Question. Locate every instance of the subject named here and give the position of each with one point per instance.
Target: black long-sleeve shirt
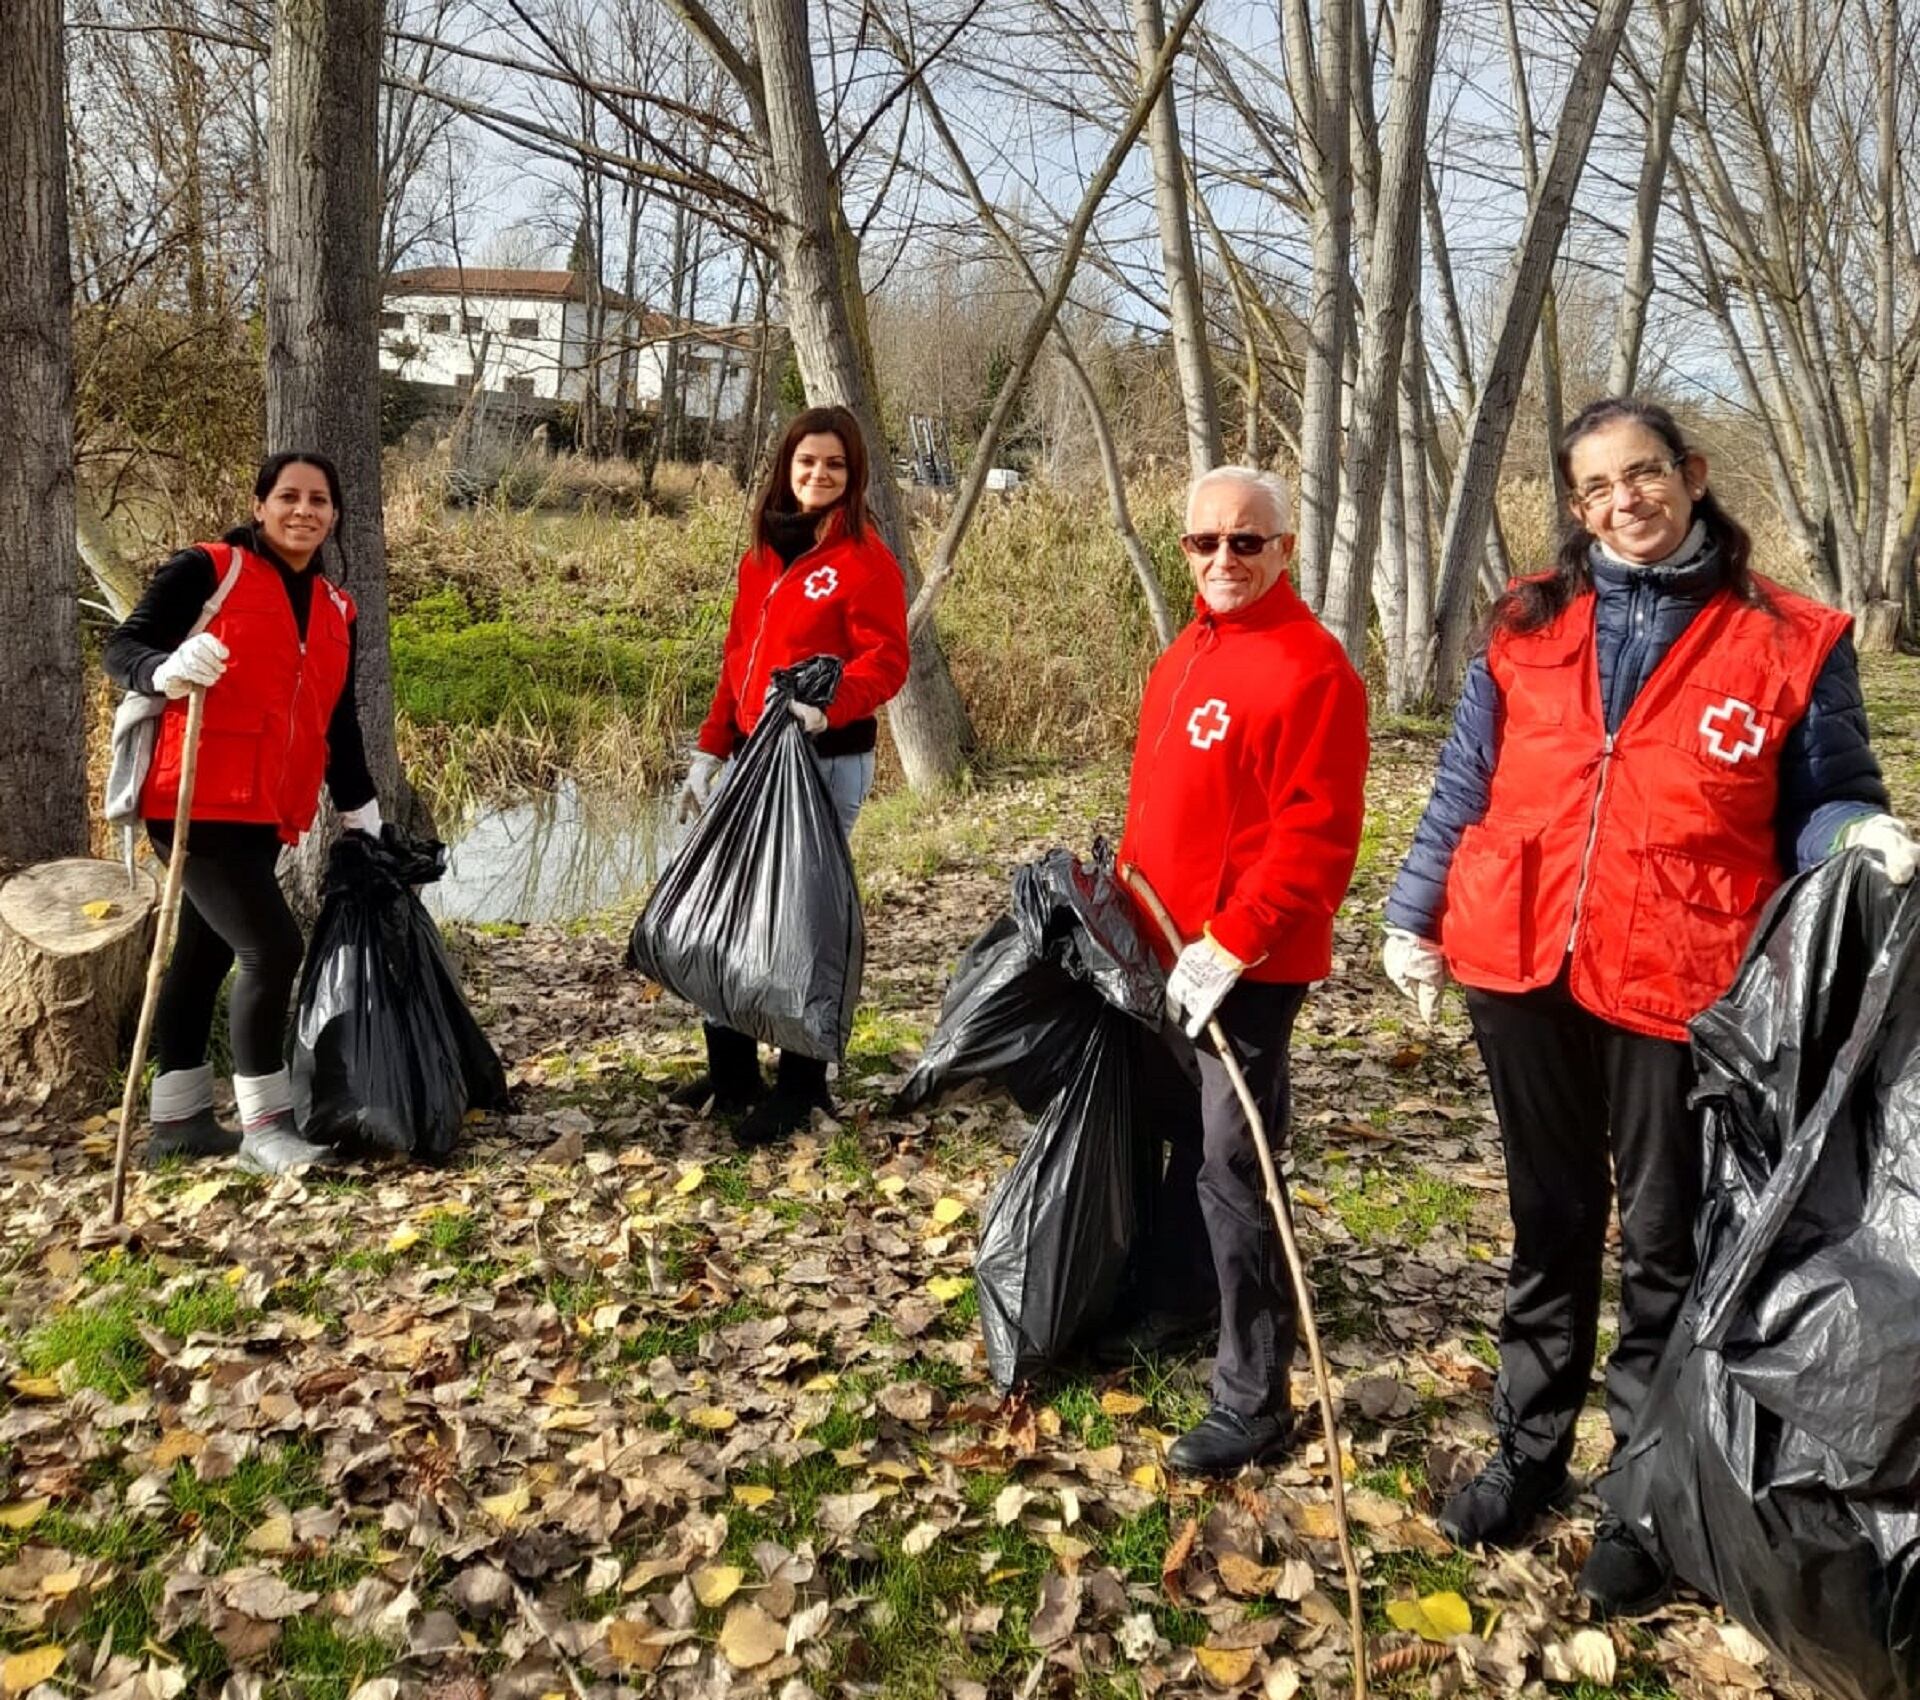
(159, 625)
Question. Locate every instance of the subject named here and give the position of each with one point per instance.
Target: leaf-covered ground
(608, 1407)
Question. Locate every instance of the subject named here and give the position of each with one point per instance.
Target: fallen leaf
(1058, 1611)
(947, 1288)
(715, 1584)
(21, 1513)
(1009, 1502)
(506, 1507)
(403, 1239)
(1118, 1404)
(715, 1417)
(36, 1387)
(1179, 1549)
(749, 1638)
(752, 1495)
(273, 1538)
(1587, 1657)
(629, 1642)
(947, 1211)
(690, 1180)
(28, 1670)
(1245, 1577)
(1282, 1682)
(919, 1539)
(1433, 1617)
(1225, 1667)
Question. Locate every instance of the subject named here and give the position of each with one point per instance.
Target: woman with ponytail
(1652, 741)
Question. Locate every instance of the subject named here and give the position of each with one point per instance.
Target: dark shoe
(1499, 1505)
(1158, 1334)
(733, 1081)
(1223, 1440)
(1622, 1576)
(700, 1093)
(197, 1135)
(774, 1117)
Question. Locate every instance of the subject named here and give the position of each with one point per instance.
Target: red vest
(263, 739)
(1638, 862)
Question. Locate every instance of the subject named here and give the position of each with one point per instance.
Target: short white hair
(1278, 491)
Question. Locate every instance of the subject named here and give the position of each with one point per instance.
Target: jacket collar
(1279, 605)
(1691, 577)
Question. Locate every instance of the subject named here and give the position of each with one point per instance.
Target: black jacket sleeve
(159, 625)
(348, 782)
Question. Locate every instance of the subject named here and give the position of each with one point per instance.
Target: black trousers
(1586, 1108)
(1213, 1233)
(233, 913)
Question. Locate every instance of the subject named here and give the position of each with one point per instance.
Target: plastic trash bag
(756, 921)
(1778, 1462)
(1059, 1004)
(385, 1050)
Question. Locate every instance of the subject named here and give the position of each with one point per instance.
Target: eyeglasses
(1204, 543)
(1641, 480)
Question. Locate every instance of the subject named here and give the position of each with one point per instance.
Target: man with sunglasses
(1244, 815)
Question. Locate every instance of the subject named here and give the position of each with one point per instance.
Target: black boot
(1498, 1507)
(733, 1081)
(1623, 1576)
(799, 1088)
(1224, 1441)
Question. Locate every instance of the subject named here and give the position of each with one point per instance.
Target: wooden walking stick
(1303, 1299)
(162, 943)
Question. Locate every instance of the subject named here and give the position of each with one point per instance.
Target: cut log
(74, 938)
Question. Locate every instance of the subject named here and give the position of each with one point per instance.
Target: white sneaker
(276, 1148)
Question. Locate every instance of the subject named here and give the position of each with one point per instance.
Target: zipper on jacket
(1593, 833)
(1173, 699)
(766, 602)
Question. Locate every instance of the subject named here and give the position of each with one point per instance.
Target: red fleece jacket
(1248, 784)
(843, 598)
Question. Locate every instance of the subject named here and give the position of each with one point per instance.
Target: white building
(527, 333)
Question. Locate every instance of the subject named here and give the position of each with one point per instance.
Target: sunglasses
(1204, 543)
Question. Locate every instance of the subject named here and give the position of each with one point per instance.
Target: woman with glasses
(1653, 740)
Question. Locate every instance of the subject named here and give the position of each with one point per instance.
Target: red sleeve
(1317, 797)
(876, 641)
(720, 731)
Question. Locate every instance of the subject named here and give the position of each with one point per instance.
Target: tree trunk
(928, 720)
(1552, 408)
(323, 307)
(1191, 359)
(70, 985)
(1416, 430)
(43, 757)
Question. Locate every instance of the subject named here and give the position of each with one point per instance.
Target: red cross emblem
(1208, 724)
(1736, 717)
(821, 583)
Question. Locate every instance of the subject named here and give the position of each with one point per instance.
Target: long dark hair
(1534, 602)
(849, 514)
(271, 468)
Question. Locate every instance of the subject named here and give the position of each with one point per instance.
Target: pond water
(555, 857)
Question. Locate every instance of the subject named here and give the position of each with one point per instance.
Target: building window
(441, 322)
(393, 321)
(519, 386)
(470, 323)
(523, 327)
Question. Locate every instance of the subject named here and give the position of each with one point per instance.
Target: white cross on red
(1208, 724)
(821, 583)
(1719, 720)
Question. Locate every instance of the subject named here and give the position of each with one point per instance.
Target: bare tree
(43, 766)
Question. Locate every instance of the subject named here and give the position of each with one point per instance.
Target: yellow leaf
(690, 1181)
(824, 1383)
(178, 1443)
(100, 909)
(715, 1417)
(36, 1386)
(27, 1670)
(947, 1288)
(1149, 1476)
(273, 1538)
(404, 1239)
(715, 1584)
(948, 1211)
(750, 1637)
(1433, 1617)
(61, 1583)
(627, 1641)
(198, 1197)
(505, 1507)
(1118, 1404)
(752, 1495)
(1225, 1667)
(1243, 1576)
(1069, 1549)
(21, 1513)
(891, 1186)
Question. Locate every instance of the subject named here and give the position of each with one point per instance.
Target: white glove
(698, 787)
(812, 720)
(1417, 968)
(1888, 838)
(365, 819)
(1202, 975)
(199, 661)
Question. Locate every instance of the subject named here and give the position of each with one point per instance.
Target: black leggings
(233, 913)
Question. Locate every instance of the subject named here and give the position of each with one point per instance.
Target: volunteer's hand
(199, 661)
(1888, 838)
(698, 787)
(365, 819)
(812, 720)
(1417, 968)
(1202, 975)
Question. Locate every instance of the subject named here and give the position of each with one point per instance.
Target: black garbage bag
(385, 1050)
(1778, 1461)
(756, 921)
(1060, 1004)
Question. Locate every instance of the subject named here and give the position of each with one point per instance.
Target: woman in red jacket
(816, 580)
(276, 659)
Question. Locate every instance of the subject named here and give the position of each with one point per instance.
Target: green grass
(1401, 1207)
(228, 1510)
(317, 1662)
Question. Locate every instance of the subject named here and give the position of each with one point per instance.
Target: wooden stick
(162, 943)
(1303, 1298)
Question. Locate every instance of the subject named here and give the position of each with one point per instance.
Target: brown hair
(1535, 602)
(849, 514)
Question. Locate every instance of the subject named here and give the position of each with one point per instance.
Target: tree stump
(71, 977)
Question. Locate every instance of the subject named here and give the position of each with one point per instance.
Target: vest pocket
(1491, 887)
(1692, 918)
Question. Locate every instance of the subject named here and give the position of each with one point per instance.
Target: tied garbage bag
(1778, 1461)
(756, 921)
(1059, 1004)
(385, 1050)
